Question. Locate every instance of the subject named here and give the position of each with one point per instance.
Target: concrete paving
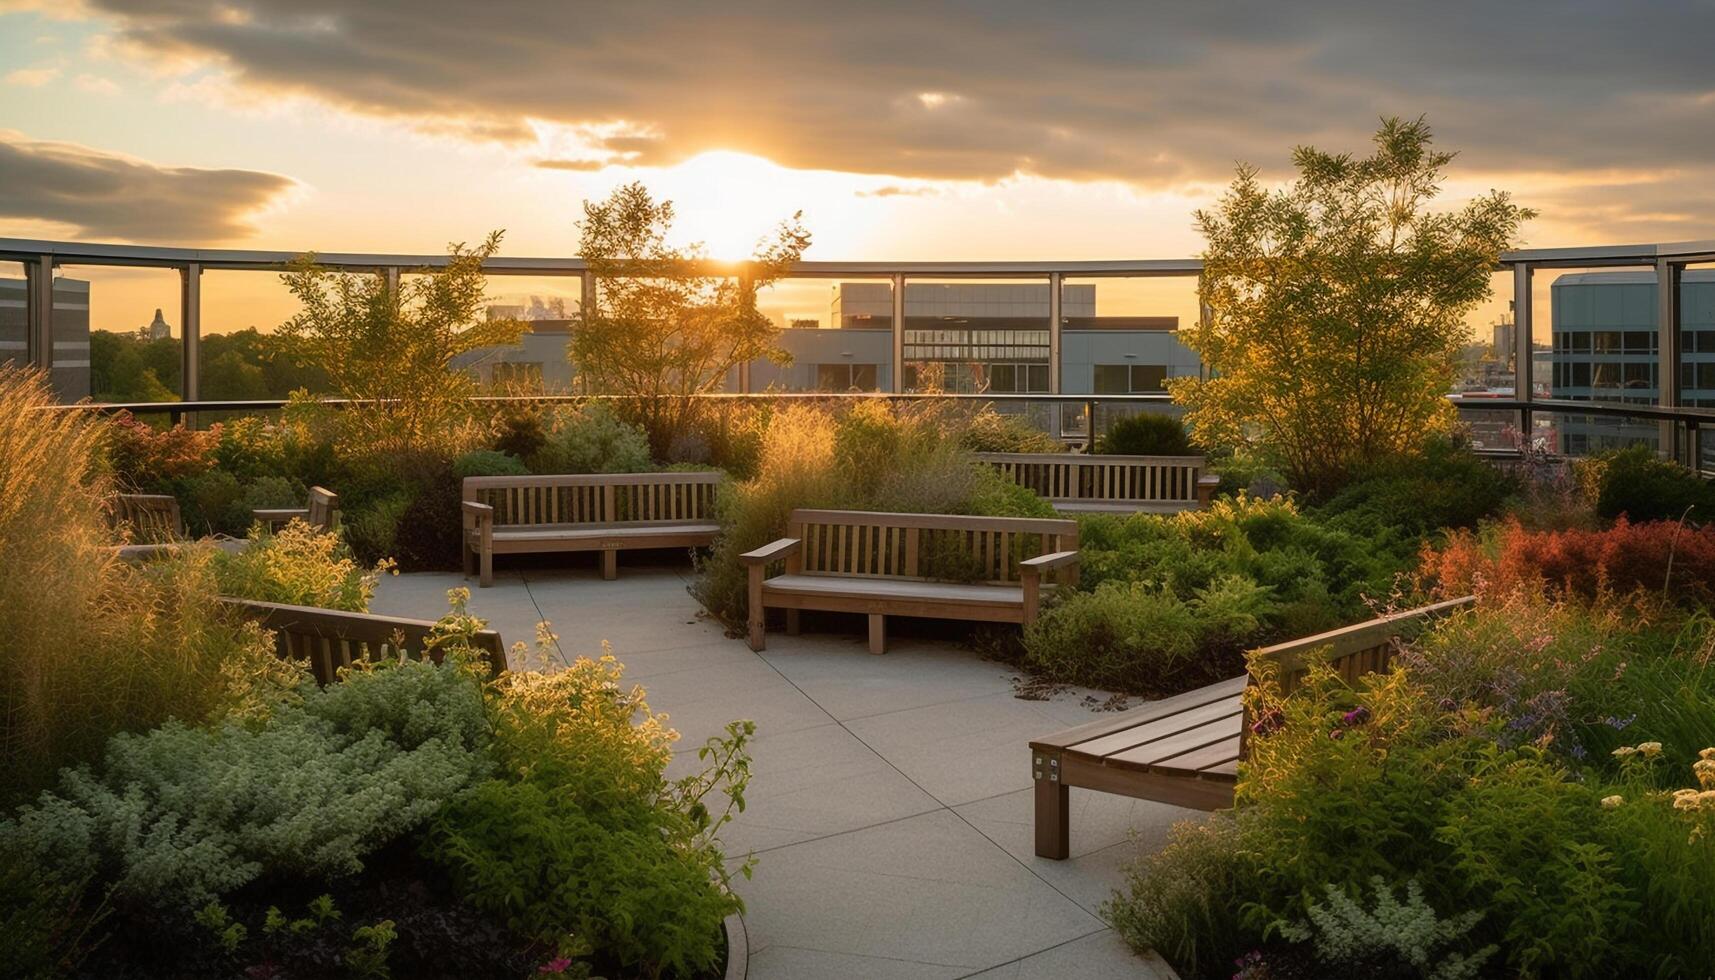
(890, 803)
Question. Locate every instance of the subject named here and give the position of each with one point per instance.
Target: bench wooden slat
(1150, 731)
(1186, 750)
(606, 512)
(1119, 484)
(873, 563)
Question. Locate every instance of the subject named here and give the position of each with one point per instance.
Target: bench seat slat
(1152, 731)
(883, 588)
(630, 529)
(1165, 753)
(1152, 711)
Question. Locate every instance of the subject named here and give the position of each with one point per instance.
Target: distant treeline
(126, 367)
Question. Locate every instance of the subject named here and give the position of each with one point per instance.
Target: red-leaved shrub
(144, 458)
(1666, 557)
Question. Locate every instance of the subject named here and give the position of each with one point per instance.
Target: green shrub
(1183, 900)
(1642, 486)
(1398, 502)
(1396, 939)
(1144, 638)
(180, 816)
(1147, 434)
(300, 566)
(592, 439)
(45, 925)
(373, 528)
(488, 462)
(582, 834)
(998, 432)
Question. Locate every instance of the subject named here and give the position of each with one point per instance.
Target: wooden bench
(605, 512)
(1185, 750)
(1078, 483)
(152, 527)
(321, 513)
(988, 569)
(330, 638)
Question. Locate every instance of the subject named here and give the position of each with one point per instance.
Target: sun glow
(738, 199)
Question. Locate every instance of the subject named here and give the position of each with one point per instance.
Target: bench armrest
(476, 515)
(771, 552)
(1207, 484)
(1044, 563)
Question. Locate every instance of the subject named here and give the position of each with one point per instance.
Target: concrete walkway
(890, 806)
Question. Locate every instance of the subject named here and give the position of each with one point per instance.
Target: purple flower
(1268, 724)
(1356, 716)
(560, 965)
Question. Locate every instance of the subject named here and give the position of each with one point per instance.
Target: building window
(1640, 341)
(1607, 341)
(1130, 379)
(1705, 375)
(845, 377)
(1640, 376)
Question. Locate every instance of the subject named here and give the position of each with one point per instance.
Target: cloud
(31, 77)
(106, 195)
(1159, 95)
(578, 165)
(96, 84)
(895, 190)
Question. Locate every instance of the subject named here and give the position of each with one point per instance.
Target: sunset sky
(908, 130)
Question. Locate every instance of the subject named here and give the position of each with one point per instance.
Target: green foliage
(582, 834)
(373, 529)
(244, 364)
(1338, 306)
(1637, 483)
(1144, 638)
(1003, 432)
(1147, 434)
(488, 462)
(657, 334)
(393, 347)
(180, 816)
(1398, 501)
(592, 439)
(1170, 600)
(1395, 939)
(300, 566)
(1181, 901)
(44, 920)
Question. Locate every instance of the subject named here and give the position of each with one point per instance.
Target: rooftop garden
(1527, 791)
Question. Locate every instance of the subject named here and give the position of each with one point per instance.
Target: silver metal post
(1669, 384)
(190, 318)
(898, 332)
(39, 314)
(1054, 333)
(1523, 382)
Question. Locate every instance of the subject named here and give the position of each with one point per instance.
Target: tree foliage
(665, 326)
(1338, 305)
(394, 347)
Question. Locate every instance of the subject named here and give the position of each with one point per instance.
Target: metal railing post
(1669, 384)
(39, 314)
(1054, 333)
(1523, 382)
(898, 332)
(190, 335)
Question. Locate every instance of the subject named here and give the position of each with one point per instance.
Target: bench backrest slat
(1071, 476)
(323, 508)
(597, 498)
(330, 638)
(923, 546)
(150, 518)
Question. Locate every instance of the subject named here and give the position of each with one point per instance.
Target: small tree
(394, 347)
(1338, 306)
(664, 326)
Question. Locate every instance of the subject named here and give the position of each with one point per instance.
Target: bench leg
(487, 578)
(791, 622)
(757, 613)
(609, 564)
(1053, 810)
(877, 633)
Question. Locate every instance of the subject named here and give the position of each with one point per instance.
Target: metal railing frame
(1669, 260)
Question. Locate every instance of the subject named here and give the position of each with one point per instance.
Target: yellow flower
(1704, 770)
(1649, 749)
(1612, 801)
(1623, 751)
(1707, 754)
